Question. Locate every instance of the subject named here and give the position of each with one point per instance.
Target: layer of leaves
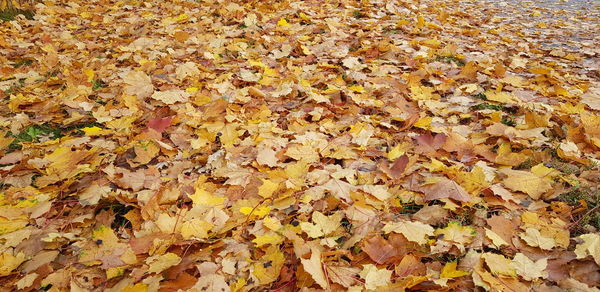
(298, 145)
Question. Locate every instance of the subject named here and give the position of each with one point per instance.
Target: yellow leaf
(499, 265)
(27, 281)
(202, 197)
(303, 153)
(269, 238)
(139, 287)
(89, 73)
(282, 22)
(495, 238)
(375, 277)
(423, 93)
(160, 263)
(527, 182)
(322, 225)
(171, 96)
(533, 237)
(138, 83)
(449, 271)
(529, 269)
(589, 247)
(113, 272)
(502, 97)
(314, 267)
(303, 16)
(195, 228)
(267, 189)
(258, 212)
(9, 262)
(455, 233)
(413, 231)
(8, 226)
(424, 123)
(267, 269)
(93, 131)
(272, 223)
(357, 88)
(398, 151)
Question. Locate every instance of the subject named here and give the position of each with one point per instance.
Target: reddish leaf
(399, 166)
(379, 249)
(445, 189)
(160, 124)
(429, 143)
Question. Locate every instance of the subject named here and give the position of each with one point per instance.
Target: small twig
(583, 216)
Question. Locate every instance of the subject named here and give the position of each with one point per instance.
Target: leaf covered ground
(300, 145)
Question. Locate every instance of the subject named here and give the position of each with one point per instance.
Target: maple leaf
(171, 96)
(527, 182)
(499, 265)
(303, 153)
(375, 277)
(379, 249)
(442, 188)
(267, 189)
(9, 260)
(345, 276)
(533, 237)
(589, 247)
(457, 234)
(138, 83)
(160, 263)
(339, 189)
(266, 156)
(314, 267)
(160, 124)
(322, 225)
(592, 98)
(413, 231)
(529, 269)
(449, 271)
(186, 69)
(429, 143)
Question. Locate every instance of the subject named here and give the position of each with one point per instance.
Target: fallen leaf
(589, 247)
(413, 231)
(314, 267)
(375, 277)
(444, 188)
(529, 269)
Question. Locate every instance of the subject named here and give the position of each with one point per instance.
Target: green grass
(21, 63)
(484, 106)
(98, 84)
(10, 13)
(34, 133)
(576, 197)
(357, 14)
(509, 122)
(481, 96)
(450, 59)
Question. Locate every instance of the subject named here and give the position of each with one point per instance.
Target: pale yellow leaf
(589, 247)
(375, 277)
(314, 267)
(529, 269)
(159, 263)
(533, 237)
(413, 231)
(499, 265)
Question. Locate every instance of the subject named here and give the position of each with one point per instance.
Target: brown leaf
(379, 249)
(429, 143)
(445, 189)
(345, 276)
